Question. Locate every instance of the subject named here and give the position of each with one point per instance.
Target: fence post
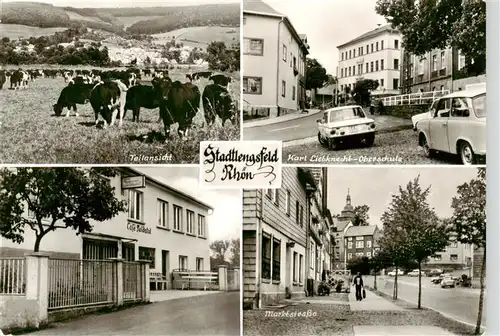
(118, 281)
(37, 283)
(223, 278)
(145, 280)
(237, 277)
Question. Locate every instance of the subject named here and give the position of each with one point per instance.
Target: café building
(162, 224)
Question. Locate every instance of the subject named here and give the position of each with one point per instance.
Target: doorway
(165, 267)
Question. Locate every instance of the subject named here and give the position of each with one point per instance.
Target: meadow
(31, 133)
(14, 31)
(200, 36)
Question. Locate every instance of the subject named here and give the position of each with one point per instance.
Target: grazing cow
(19, 79)
(80, 79)
(180, 106)
(106, 98)
(217, 102)
(202, 74)
(3, 78)
(72, 95)
(146, 96)
(221, 80)
(68, 75)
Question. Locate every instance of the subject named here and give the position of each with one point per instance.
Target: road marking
(284, 128)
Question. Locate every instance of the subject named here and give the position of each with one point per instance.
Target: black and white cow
(19, 79)
(72, 95)
(3, 78)
(107, 99)
(146, 96)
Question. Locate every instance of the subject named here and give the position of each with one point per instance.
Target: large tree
(362, 91)
(378, 262)
(47, 199)
(235, 252)
(469, 223)
(316, 75)
(436, 24)
(411, 222)
(219, 250)
(361, 216)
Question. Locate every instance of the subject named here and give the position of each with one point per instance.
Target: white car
(415, 273)
(343, 124)
(457, 126)
(423, 116)
(393, 273)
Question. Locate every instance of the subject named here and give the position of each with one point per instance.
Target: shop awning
(103, 235)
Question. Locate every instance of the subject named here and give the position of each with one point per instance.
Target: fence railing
(133, 281)
(80, 282)
(414, 98)
(186, 279)
(12, 276)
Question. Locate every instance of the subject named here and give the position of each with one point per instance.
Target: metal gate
(133, 281)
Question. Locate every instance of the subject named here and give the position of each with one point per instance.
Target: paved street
(460, 303)
(217, 314)
(389, 148)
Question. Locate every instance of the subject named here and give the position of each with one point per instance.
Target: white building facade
(374, 55)
(162, 224)
(274, 62)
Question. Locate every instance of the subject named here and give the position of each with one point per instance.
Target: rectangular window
(135, 205)
(461, 60)
(276, 259)
(360, 244)
(297, 212)
(349, 256)
(199, 264)
(147, 253)
(353, 71)
(443, 62)
(283, 88)
(341, 72)
(396, 44)
(190, 221)
(252, 46)
(350, 55)
(434, 62)
(421, 67)
(284, 53)
(295, 266)
(294, 62)
(371, 48)
(266, 256)
(354, 53)
(287, 202)
(396, 64)
(350, 71)
(382, 82)
(178, 218)
(293, 92)
(376, 46)
(276, 198)
(371, 66)
(382, 45)
(349, 245)
(367, 70)
(376, 65)
(291, 59)
(437, 257)
(395, 83)
(162, 213)
(252, 85)
(342, 56)
(381, 64)
(301, 267)
(201, 226)
(367, 50)
(183, 263)
(301, 216)
(453, 257)
(369, 244)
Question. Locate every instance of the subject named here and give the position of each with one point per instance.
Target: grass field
(201, 36)
(14, 31)
(30, 133)
(127, 21)
(76, 16)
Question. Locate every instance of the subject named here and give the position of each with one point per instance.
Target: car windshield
(346, 114)
(479, 105)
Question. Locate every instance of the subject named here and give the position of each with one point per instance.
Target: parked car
(393, 273)
(343, 124)
(457, 126)
(435, 272)
(448, 281)
(415, 273)
(436, 280)
(423, 116)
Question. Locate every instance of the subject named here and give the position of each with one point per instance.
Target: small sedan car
(415, 273)
(422, 116)
(344, 124)
(448, 282)
(457, 126)
(393, 273)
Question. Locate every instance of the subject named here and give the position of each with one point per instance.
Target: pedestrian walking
(358, 284)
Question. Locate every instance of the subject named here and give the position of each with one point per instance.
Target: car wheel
(425, 145)
(332, 144)
(321, 141)
(369, 140)
(466, 153)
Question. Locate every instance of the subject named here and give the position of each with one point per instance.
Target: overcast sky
(126, 3)
(225, 221)
(329, 23)
(375, 187)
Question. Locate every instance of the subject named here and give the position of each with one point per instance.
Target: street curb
(308, 140)
(274, 121)
(434, 310)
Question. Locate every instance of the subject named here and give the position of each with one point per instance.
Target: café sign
(136, 227)
(132, 182)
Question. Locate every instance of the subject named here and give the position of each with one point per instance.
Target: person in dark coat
(358, 284)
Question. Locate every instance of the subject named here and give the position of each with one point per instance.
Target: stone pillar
(223, 278)
(145, 277)
(237, 280)
(37, 283)
(118, 281)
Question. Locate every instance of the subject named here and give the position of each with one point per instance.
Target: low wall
(463, 82)
(405, 111)
(17, 312)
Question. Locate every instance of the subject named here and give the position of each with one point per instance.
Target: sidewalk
(371, 302)
(275, 120)
(158, 296)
